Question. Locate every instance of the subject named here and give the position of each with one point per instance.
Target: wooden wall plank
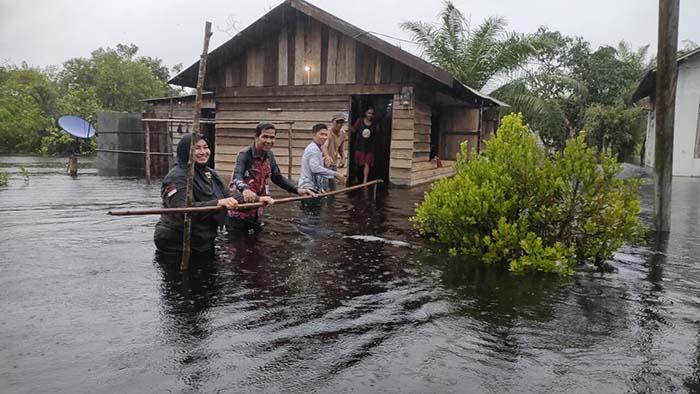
(332, 56)
(346, 64)
(313, 52)
(291, 50)
(280, 91)
(235, 67)
(299, 74)
(386, 69)
(308, 115)
(283, 62)
(336, 106)
(270, 62)
(254, 69)
(228, 76)
(266, 102)
(324, 54)
(378, 70)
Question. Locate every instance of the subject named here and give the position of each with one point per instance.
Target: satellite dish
(77, 127)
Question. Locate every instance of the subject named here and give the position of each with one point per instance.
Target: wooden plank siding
(402, 131)
(333, 58)
(303, 110)
(458, 124)
(422, 169)
(268, 82)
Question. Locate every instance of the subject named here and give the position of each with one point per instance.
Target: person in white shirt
(313, 173)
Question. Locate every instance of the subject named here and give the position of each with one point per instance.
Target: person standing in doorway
(334, 148)
(365, 131)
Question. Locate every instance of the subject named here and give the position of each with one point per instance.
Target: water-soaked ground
(85, 308)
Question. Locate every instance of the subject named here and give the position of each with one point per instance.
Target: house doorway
(381, 145)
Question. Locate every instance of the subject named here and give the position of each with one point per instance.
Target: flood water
(86, 308)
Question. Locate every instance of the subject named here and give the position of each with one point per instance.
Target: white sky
(48, 32)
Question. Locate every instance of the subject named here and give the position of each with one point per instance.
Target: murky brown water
(85, 308)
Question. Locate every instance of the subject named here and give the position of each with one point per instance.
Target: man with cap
(255, 168)
(334, 147)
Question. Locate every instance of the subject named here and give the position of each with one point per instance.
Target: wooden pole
(187, 234)
(168, 211)
(289, 152)
(666, 78)
(73, 165)
(73, 160)
(169, 144)
(147, 151)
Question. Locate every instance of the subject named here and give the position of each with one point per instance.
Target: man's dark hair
(318, 127)
(263, 126)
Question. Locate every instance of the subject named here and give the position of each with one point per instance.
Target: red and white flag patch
(171, 190)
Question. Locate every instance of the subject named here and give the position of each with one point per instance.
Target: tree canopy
(32, 99)
(550, 78)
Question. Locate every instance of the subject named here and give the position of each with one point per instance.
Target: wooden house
(301, 64)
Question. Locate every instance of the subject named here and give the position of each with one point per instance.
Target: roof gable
(272, 23)
(266, 25)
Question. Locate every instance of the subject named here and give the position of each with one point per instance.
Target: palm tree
(474, 56)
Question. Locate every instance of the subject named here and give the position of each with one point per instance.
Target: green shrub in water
(25, 173)
(3, 178)
(514, 205)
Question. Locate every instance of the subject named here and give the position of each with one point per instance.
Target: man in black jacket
(255, 168)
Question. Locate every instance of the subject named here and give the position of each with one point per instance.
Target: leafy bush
(617, 128)
(514, 205)
(59, 142)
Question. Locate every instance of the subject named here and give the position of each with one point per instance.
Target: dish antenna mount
(79, 128)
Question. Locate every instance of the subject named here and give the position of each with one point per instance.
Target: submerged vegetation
(515, 205)
(3, 178)
(25, 173)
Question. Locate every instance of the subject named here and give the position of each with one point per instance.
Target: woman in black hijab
(207, 190)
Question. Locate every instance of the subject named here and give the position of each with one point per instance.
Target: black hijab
(206, 184)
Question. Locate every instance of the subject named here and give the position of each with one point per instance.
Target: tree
(475, 56)
(513, 205)
(614, 127)
(32, 99)
(550, 98)
(119, 78)
(27, 106)
(565, 78)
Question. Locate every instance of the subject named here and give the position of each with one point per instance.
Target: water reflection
(651, 317)
(186, 297)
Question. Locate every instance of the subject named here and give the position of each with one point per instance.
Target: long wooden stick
(185, 262)
(147, 150)
(160, 211)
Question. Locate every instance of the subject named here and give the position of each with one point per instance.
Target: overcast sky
(48, 32)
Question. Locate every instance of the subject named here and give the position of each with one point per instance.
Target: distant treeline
(561, 85)
(32, 99)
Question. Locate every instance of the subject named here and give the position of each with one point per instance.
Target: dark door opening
(434, 136)
(382, 140)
